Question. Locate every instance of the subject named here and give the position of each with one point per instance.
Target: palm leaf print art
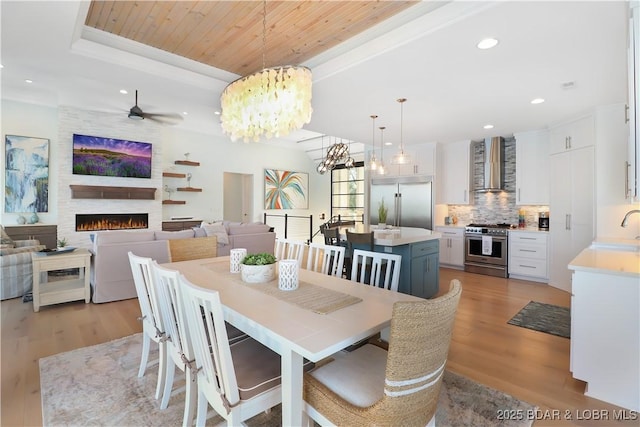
(283, 188)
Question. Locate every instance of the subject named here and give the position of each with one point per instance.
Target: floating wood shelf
(109, 192)
(173, 202)
(186, 163)
(189, 189)
(174, 175)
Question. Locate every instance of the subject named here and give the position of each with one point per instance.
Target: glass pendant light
(401, 158)
(381, 169)
(373, 162)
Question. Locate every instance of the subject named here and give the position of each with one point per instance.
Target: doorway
(237, 201)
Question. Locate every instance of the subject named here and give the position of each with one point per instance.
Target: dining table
(323, 316)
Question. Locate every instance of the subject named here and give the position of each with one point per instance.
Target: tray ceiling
(228, 35)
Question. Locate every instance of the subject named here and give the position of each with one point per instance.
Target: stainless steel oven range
(486, 249)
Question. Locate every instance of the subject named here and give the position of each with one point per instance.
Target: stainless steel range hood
(493, 166)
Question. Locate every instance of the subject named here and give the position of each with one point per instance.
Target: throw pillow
(217, 230)
(199, 232)
(6, 240)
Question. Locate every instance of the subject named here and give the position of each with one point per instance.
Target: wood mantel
(109, 192)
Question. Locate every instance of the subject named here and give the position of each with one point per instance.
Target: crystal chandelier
(401, 158)
(373, 162)
(271, 102)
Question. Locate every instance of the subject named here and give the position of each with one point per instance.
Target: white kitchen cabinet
(451, 246)
(532, 159)
(605, 329)
(573, 135)
(528, 258)
(571, 211)
(454, 173)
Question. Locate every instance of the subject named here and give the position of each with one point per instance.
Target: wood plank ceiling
(229, 34)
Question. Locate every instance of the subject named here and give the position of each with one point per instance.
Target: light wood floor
(529, 365)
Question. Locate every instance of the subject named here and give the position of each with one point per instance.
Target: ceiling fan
(136, 113)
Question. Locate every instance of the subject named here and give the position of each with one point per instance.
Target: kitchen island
(605, 321)
(419, 248)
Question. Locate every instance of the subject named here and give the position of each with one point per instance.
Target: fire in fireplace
(94, 222)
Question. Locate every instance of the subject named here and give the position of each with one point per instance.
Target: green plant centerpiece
(382, 213)
(258, 268)
(62, 242)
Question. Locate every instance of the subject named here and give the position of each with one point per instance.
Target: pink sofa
(111, 278)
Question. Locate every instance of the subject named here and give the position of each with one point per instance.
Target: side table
(48, 293)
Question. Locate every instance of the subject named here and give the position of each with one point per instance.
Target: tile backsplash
(496, 207)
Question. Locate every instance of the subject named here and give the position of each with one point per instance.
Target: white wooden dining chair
(326, 259)
(179, 348)
(290, 249)
(376, 269)
(238, 380)
(150, 318)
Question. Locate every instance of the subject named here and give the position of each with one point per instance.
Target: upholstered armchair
(16, 268)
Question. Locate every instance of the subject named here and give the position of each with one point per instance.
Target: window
(347, 192)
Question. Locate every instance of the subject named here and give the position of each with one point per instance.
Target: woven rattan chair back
(325, 259)
(150, 317)
(193, 248)
(415, 364)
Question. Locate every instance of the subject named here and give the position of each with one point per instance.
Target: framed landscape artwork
(26, 174)
(286, 189)
(95, 155)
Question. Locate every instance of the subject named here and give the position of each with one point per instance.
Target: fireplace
(95, 222)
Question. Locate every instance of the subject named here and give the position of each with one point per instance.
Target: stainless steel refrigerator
(409, 200)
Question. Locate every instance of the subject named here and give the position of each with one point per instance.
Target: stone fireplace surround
(73, 120)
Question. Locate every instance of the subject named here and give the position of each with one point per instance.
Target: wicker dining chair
(398, 387)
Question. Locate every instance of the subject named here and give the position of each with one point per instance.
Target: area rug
(98, 385)
(547, 318)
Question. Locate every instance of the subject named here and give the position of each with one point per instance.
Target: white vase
(258, 273)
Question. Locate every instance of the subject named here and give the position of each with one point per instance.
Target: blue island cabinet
(419, 270)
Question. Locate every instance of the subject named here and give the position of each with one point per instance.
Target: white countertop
(394, 236)
(609, 257)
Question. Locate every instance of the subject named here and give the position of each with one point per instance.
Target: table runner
(308, 296)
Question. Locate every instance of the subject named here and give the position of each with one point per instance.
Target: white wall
(36, 121)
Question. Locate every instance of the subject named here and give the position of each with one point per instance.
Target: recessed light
(537, 101)
(123, 91)
(487, 43)
(185, 113)
(388, 143)
(217, 113)
(488, 126)
(28, 81)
